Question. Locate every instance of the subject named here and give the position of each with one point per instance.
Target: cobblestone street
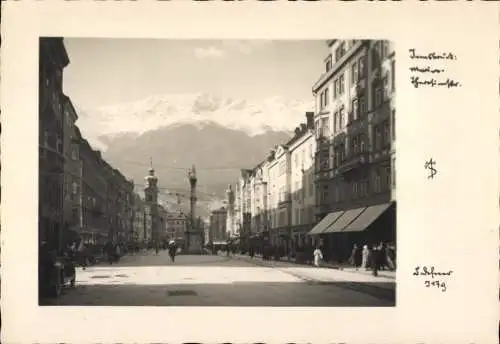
(150, 280)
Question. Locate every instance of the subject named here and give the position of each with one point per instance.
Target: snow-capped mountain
(157, 111)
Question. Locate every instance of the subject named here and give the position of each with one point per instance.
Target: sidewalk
(325, 274)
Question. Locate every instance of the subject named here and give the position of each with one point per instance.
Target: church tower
(151, 204)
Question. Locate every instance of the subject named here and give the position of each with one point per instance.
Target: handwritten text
(436, 78)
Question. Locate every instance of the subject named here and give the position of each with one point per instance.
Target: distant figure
(318, 256)
(356, 257)
(157, 248)
(172, 250)
(365, 257)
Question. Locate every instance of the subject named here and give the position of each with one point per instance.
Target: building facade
(176, 226)
(279, 212)
(139, 226)
(92, 195)
(218, 222)
(302, 148)
(53, 59)
(355, 121)
(72, 168)
(231, 214)
(243, 201)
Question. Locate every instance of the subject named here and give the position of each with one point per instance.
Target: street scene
(217, 173)
(153, 280)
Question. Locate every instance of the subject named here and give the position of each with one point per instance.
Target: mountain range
(218, 135)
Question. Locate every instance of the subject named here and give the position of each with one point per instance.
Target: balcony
(352, 162)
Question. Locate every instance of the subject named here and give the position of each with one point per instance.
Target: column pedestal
(193, 243)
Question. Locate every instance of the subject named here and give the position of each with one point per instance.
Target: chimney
(310, 120)
(297, 131)
(303, 127)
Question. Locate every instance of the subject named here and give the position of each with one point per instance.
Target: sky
(105, 71)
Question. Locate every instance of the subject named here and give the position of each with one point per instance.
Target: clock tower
(151, 204)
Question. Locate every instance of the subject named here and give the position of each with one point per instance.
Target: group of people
(378, 257)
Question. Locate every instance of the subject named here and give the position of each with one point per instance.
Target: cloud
(209, 52)
(246, 46)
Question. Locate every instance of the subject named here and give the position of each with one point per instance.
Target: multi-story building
(177, 226)
(279, 212)
(92, 195)
(218, 221)
(355, 164)
(53, 59)
(139, 227)
(162, 223)
(243, 206)
(258, 196)
(231, 215)
(72, 169)
(302, 147)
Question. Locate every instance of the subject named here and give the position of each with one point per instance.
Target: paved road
(215, 281)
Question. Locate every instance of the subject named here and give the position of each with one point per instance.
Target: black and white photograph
(235, 173)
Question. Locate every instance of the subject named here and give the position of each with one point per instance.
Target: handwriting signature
(432, 273)
(449, 83)
(432, 56)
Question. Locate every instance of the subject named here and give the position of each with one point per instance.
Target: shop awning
(327, 221)
(343, 221)
(367, 217)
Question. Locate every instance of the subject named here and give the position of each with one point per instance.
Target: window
(377, 95)
(46, 138)
(393, 75)
(388, 181)
(354, 73)
(393, 120)
(335, 88)
(355, 144)
(341, 117)
(385, 87)
(362, 145)
(325, 127)
(59, 146)
(321, 95)
(384, 49)
(375, 55)
(341, 85)
(361, 67)
(74, 155)
(329, 63)
(75, 188)
(393, 174)
(326, 96)
(354, 190)
(355, 114)
(378, 134)
(361, 106)
(387, 137)
(335, 121)
(377, 185)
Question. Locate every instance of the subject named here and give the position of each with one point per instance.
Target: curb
(314, 280)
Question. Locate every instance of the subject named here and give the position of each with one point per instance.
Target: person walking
(318, 256)
(365, 257)
(172, 250)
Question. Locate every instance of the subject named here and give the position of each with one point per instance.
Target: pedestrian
(117, 253)
(318, 256)
(365, 257)
(157, 248)
(172, 250)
